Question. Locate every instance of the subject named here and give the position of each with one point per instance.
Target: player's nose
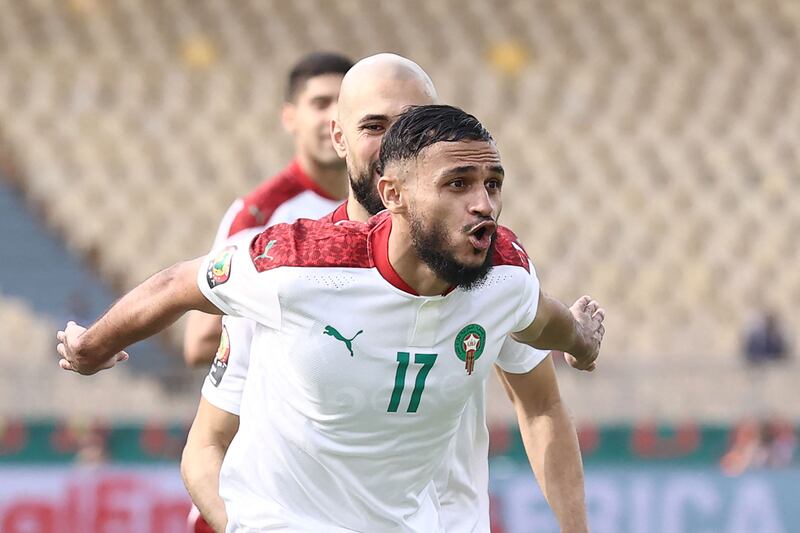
(481, 203)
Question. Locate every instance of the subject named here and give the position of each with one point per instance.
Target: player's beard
(365, 189)
(431, 246)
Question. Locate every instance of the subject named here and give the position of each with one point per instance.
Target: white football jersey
(286, 197)
(356, 385)
(289, 195)
(462, 484)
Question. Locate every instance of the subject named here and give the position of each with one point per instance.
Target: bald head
(388, 76)
(373, 93)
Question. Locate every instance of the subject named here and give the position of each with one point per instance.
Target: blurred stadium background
(653, 151)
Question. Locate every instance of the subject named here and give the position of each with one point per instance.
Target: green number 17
(424, 359)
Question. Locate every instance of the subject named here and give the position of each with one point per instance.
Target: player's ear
(337, 138)
(391, 191)
(288, 117)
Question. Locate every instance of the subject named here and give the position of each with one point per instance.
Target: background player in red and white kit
(313, 184)
(441, 172)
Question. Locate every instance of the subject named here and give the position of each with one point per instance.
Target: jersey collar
(340, 213)
(379, 251)
(306, 181)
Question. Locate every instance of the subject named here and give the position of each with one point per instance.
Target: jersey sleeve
(518, 358)
(224, 384)
(529, 302)
(229, 279)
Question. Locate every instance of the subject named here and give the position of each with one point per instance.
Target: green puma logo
(330, 330)
(263, 255)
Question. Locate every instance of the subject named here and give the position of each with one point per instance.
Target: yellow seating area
(33, 386)
(651, 147)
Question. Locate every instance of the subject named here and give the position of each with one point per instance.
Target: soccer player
(373, 93)
(311, 186)
(347, 434)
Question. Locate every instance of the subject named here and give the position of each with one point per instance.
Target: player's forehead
(461, 156)
(386, 99)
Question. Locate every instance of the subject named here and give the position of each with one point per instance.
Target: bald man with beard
(373, 93)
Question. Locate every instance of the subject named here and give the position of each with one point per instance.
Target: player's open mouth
(481, 235)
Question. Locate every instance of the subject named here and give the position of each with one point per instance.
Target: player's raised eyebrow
(466, 169)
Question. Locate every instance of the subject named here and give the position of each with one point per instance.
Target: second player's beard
(430, 246)
(365, 189)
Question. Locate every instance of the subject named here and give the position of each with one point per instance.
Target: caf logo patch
(219, 269)
(469, 345)
(221, 358)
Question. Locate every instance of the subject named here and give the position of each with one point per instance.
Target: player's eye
(372, 128)
(321, 104)
(457, 184)
(494, 185)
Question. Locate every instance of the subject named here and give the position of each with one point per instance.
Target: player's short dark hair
(313, 65)
(421, 126)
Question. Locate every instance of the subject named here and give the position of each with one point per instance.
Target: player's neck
(331, 179)
(356, 211)
(409, 266)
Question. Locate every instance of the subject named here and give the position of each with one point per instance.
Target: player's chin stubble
(365, 189)
(431, 246)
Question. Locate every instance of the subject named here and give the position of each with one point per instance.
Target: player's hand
(67, 343)
(589, 317)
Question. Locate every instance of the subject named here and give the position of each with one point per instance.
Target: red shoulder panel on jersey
(260, 204)
(312, 243)
(508, 250)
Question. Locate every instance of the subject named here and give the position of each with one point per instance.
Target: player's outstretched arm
(209, 437)
(201, 339)
(550, 442)
(577, 330)
(143, 312)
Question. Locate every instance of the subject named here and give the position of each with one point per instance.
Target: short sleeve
(529, 302)
(224, 384)
(228, 279)
(518, 358)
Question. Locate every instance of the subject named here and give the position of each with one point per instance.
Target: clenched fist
(68, 342)
(589, 317)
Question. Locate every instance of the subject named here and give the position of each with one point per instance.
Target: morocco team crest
(221, 358)
(469, 345)
(219, 270)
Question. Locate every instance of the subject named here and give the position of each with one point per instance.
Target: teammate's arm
(143, 312)
(209, 437)
(201, 339)
(551, 442)
(577, 330)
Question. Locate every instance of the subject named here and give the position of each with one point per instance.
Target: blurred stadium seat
(32, 387)
(652, 146)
